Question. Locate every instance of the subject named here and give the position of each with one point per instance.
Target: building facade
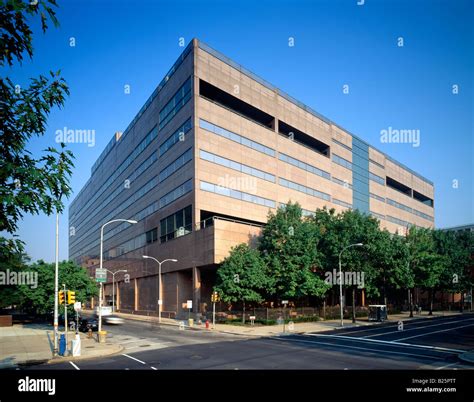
(210, 153)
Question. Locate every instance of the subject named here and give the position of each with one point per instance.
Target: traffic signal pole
(65, 314)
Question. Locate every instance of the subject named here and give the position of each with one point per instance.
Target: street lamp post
(131, 221)
(159, 279)
(113, 286)
(340, 278)
(56, 290)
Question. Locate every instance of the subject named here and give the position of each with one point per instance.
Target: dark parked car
(86, 323)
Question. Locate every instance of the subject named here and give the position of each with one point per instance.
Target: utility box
(76, 346)
(377, 312)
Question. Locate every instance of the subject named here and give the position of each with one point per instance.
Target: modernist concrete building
(210, 153)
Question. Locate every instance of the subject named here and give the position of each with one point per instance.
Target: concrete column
(117, 295)
(196, 289)
(136, 294)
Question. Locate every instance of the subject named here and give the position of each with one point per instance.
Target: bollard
(102, 336)
(190, 322)
(89, 333)
(207, 324)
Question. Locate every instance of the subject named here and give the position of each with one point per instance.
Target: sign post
(284, 302)
(65, 316)
(77, 308)
(189, 305)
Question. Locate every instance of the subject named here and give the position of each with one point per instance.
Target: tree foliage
(40, 299)
(294, 252)
(289, 246)
(242, 277)
(28, 184)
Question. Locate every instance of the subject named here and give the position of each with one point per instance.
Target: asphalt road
(423, 344)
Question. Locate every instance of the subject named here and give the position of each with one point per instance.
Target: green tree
(27, 184)
(40, 299)
(289, 246)
(11, 262)
(455, 248)
(427, 265)
(242, 277)
(391, 258)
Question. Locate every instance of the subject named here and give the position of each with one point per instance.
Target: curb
(62, 359)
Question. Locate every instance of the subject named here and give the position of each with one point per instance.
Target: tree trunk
(410, 302)
(431, 295)
(353, 304)
(243, 312)
(461, 304)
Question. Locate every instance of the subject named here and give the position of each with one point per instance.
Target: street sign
(160, 302)
(189, 304)
(101, 275)
(284, 301)
(77, 306)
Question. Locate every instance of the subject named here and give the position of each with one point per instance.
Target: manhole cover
(144, 346)
(195, 357)
(90, 347)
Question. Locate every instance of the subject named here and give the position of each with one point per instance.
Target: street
(423, 344)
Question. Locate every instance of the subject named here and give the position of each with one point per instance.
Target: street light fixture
(113, 286)
(340, 278)
(159, 279)
(131, 221)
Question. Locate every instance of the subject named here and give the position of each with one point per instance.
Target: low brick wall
(6, 321)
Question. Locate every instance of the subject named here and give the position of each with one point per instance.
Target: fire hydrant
(207, 324)
(89, 333)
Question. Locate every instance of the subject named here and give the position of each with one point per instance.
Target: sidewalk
(298, 328)
(33, 344)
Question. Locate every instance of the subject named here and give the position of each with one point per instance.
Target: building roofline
(301, 105)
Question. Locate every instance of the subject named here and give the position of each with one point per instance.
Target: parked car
(86, 323)
(113, 320)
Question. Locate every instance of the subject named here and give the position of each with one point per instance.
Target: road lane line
(448, 365)
(73, 365)
(133, 358)
(414, 329)
(406, 321)
(434, 332)
(356, 347)
(154, 368)
(352, 338)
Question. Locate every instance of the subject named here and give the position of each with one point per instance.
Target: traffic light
(215, 297)
(61, 297)
(71, 297)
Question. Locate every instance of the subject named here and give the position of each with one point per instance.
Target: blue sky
(336, 43)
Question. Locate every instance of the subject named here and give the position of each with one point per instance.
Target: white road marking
(365, 349)
(414, 329)
(434, 332)
(154, 368)
(406, 321)
(133, 358)
(395, 342)
(448, 365)
(73, 365)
